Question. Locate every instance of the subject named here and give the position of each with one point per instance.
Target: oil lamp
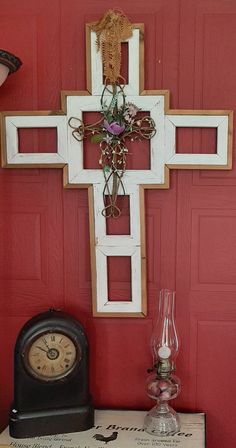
(162, 384)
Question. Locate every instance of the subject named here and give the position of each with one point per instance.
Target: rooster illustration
(104, 439)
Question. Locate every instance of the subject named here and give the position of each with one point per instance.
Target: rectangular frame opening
(37, 140)
(196, 140)
(138, 156)
(119, 278)
(120, 226)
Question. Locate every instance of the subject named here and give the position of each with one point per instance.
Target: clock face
(52, 356)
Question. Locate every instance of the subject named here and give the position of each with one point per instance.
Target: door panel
(190, 228)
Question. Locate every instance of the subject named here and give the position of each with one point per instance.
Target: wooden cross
(163, 157)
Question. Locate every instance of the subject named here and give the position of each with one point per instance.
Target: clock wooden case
(51, 393)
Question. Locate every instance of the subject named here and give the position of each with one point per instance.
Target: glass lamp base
(161, 420)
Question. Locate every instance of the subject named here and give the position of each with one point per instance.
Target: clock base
(43, 423)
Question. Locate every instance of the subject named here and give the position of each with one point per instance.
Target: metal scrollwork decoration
(120, 121)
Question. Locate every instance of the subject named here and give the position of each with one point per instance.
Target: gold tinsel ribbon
(111, 30)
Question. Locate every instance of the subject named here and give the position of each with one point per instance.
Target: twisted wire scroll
(119, 122)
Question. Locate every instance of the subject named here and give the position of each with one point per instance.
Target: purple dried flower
(114, 128)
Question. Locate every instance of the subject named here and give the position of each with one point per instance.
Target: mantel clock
(51, 392)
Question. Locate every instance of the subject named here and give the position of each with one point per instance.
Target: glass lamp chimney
(164, 341)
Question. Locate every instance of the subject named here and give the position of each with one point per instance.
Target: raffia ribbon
(111, 30)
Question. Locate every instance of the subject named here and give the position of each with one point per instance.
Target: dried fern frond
(111, 30)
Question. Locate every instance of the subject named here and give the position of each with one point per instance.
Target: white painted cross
(163, 156)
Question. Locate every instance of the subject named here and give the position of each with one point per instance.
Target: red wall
(191, 228)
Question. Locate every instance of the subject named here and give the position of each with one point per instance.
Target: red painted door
(191, 237)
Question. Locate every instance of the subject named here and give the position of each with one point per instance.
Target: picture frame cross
(163, 158)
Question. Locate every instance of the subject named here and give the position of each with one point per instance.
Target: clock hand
(40, 348)
(45, 342)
